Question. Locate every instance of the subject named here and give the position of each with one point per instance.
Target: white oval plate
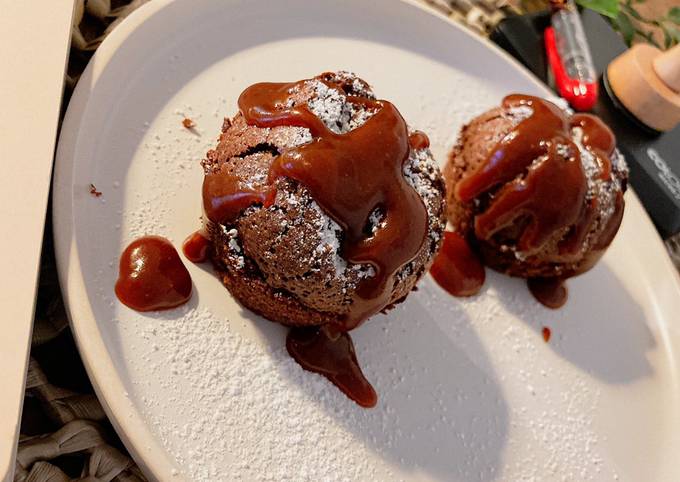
(468, 388)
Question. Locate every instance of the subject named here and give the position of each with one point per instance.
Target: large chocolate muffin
(278, 251)
(537, 190)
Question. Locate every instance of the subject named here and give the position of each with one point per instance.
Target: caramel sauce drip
(330, 353)
(551, 195)
(196, 247)
(546, 333)
(550, 292)
(548, 196)
(152, 276)
(224, 197)
(457, 269)
(530, 139)
(598, 138)
(349, 175)
(573, 242)
(418, 140)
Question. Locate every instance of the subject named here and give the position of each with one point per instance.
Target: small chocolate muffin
(283, 255)
(537, 190)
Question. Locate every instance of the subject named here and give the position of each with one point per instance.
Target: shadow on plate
(601, 329)
(441, 411)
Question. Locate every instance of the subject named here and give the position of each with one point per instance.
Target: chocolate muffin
(538, 191)
(277, 250)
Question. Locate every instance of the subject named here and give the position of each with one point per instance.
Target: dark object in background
(653, 158)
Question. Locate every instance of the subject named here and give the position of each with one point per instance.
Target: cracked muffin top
(538, 190)
(323, 207)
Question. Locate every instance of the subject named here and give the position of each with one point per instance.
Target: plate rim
(153, 459)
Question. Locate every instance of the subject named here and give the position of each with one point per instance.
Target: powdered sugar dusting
(329, 240)
(254, 414)
(276, 422)
(330, 106)
(519, 112)
(235, 252)
(552, 414)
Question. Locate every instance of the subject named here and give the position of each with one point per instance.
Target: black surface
(653, 158)
(520, 37)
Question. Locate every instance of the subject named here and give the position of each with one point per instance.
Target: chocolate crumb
(188, 123)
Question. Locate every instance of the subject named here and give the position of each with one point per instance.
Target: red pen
(569, 57)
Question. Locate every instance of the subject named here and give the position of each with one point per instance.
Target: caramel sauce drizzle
(324, 350)
(552, 193)
(349, 175)
(550, 292)
(224, 197)
(457, 268)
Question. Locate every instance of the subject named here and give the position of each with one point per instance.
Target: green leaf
(674, 33)
(625, 27)
(674, 15)
(667, 39)
(609, 8)
(632, 12)
(649, 36)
